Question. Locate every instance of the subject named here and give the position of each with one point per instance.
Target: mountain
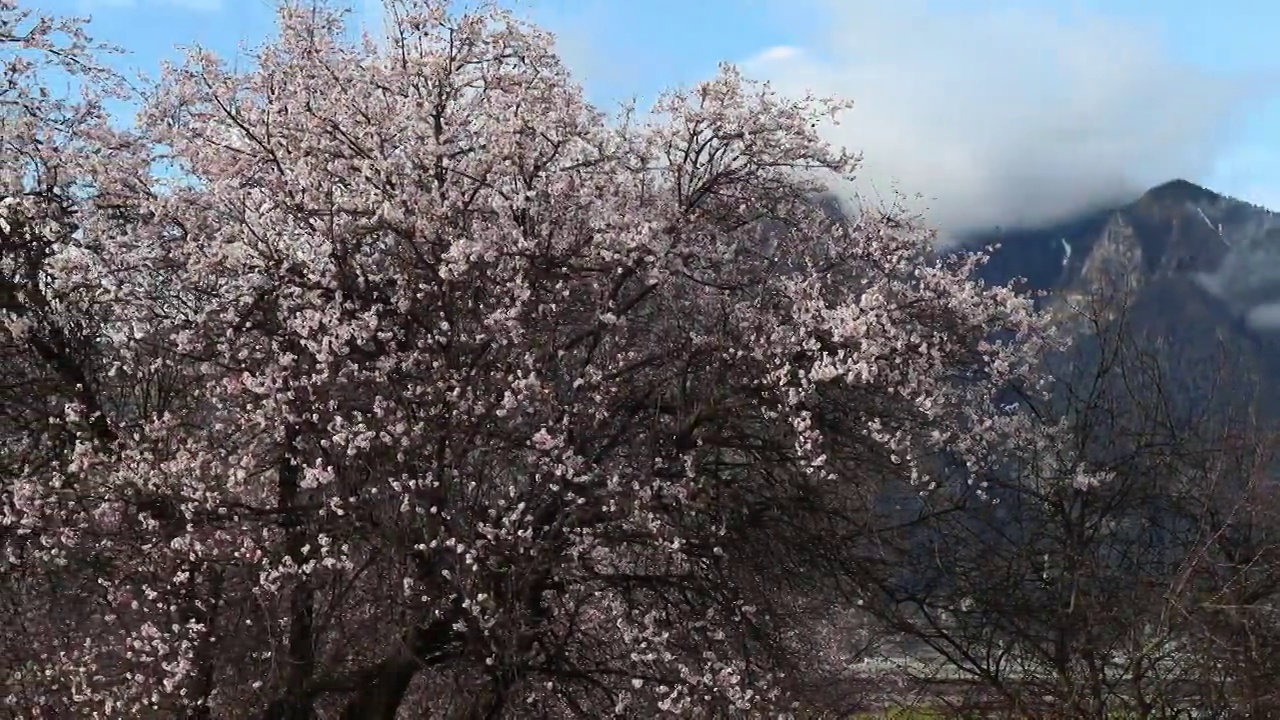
(1201, 270)
(1174, 229)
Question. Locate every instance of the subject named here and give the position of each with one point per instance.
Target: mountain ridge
(1200, 272)
(1178, 226)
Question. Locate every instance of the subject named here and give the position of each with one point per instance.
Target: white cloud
(1000, 116)
(1264, 317)
(780, 53)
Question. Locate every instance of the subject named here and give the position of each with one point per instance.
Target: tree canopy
(392, 376)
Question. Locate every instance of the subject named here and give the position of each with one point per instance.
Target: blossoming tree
(417, 384)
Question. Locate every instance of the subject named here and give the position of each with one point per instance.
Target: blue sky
(984, 106)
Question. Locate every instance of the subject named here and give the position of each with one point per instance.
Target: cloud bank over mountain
(999, 117)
